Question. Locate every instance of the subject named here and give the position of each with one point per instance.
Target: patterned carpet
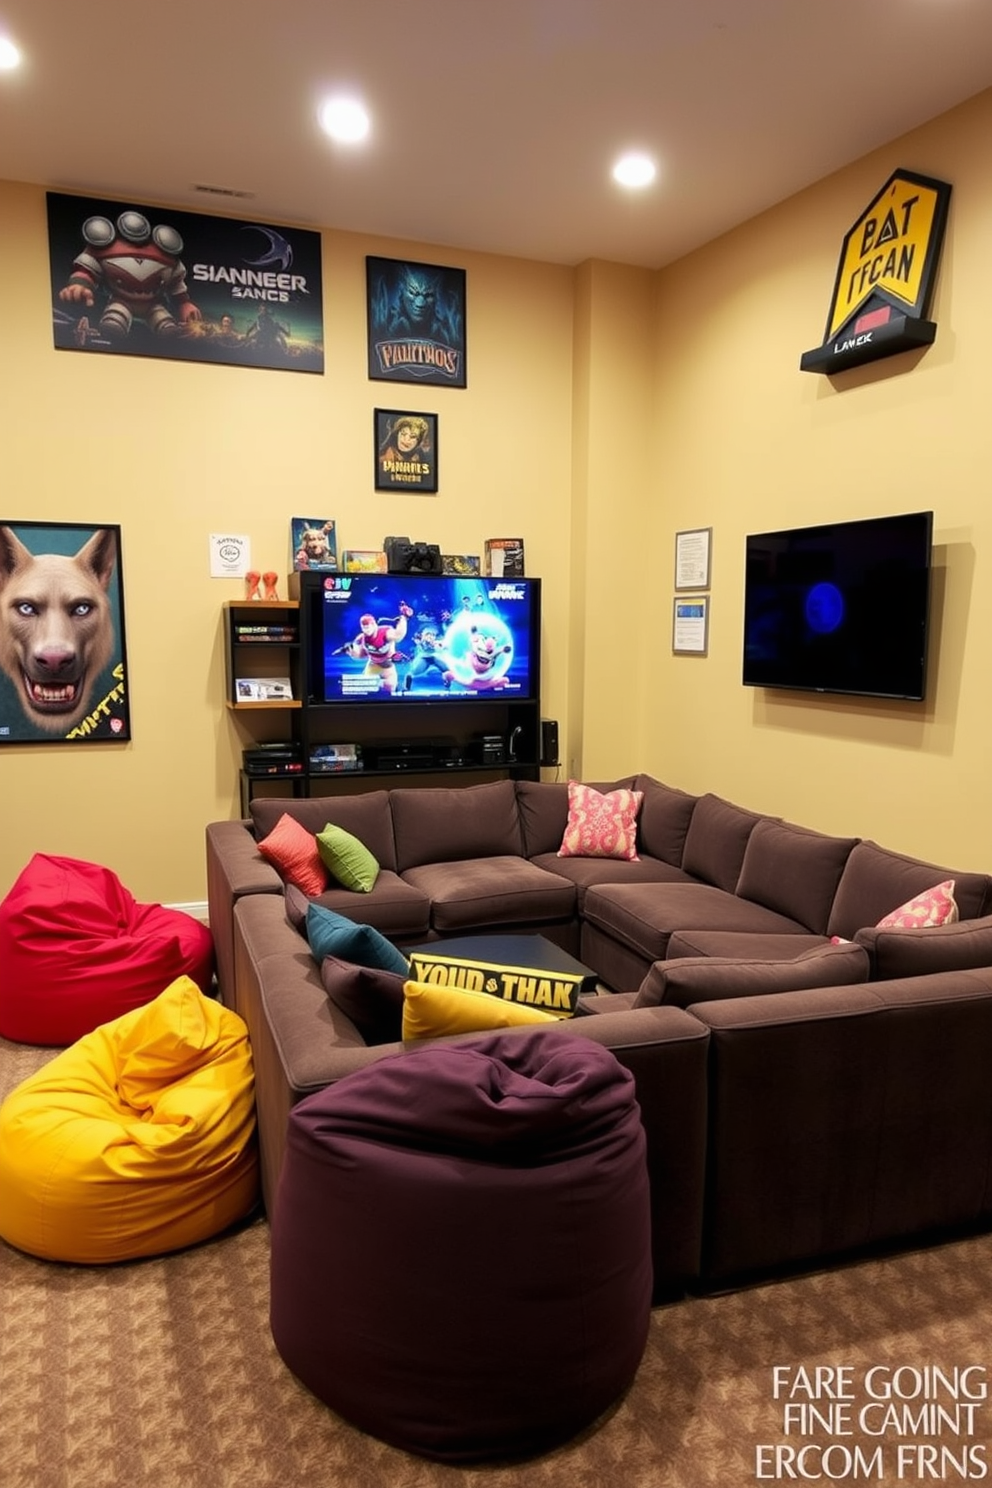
(163, 1374)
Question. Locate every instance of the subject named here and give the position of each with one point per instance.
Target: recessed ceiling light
(345, 120)
(9, 55)
(635, 170)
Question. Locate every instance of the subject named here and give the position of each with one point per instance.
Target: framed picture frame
(63, 665)
(313, 543)
(416, 322)
(692, 559)
(405, 450)
(691, 625)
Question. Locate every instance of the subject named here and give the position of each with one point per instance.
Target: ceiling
(495, 122)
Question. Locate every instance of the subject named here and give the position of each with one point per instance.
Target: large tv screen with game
(388, 638)
(840, 608)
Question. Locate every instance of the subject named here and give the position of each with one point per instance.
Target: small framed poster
(692, 558)
(313, 543)
(416, 322)
(405, 451)
(690, 626)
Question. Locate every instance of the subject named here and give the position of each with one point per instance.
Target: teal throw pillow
(332, 934)
(347, 859)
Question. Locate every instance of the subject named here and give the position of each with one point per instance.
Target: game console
(272, 759)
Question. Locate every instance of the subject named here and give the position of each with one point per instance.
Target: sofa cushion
(936, 906)
(443, 825)
(876, 881)
(743, 945)
(664, 820)
(706, 978)
(433, 1012)
(347, 859)
(332, 934)
(794, 871)
(962, 945)
(484, 891)
(644, 916)
(600, 825)
(585, 873)
(369, 995)
(394, 907)
(716, 841)
(293, 850)
(543, 809)
(366, 816)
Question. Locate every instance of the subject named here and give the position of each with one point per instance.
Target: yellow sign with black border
(885, 276)
(552, 991)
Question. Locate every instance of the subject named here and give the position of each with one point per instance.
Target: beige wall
(174, 452)
(607, 408)
(746, 442)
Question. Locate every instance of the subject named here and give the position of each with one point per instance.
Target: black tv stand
(421, 743)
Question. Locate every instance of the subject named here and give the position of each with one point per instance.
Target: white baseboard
(198, 909)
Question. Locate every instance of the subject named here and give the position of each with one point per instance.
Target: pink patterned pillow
(936, 907)
(601, 826)
(293, 850)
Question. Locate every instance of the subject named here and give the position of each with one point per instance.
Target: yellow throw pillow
(430, 1012)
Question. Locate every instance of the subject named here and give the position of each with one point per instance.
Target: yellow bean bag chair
(137, 1139)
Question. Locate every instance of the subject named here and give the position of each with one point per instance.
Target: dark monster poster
(135, 280)
(416, 323)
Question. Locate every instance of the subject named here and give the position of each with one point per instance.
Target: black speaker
(549, 741)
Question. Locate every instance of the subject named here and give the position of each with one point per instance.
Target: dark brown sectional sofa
(802, 1099)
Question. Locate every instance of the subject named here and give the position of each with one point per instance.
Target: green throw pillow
(332, 934)
(349, 860)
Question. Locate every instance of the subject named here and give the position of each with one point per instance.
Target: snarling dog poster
(416, 322)
(150, 281)
(63, 671)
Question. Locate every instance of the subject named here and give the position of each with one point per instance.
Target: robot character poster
(416, 323)
(151, 281)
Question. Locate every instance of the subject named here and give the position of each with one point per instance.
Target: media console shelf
(262, 646)
(418, 743)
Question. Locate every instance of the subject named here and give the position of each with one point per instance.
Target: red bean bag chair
(77, 949)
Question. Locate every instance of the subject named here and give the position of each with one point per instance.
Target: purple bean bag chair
(461, 1244)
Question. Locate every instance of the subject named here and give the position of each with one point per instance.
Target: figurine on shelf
(252, 581)
(269, 579)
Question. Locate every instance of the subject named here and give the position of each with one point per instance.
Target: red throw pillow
(293, 850)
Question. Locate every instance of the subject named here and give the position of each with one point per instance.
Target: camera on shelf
(404, 556)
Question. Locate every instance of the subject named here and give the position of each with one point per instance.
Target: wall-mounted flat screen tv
(390, 638)
(840, 608)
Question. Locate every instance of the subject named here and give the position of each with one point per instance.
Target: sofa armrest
(606, 1002)
(963, 946)
(692, 979)
(235, 867)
